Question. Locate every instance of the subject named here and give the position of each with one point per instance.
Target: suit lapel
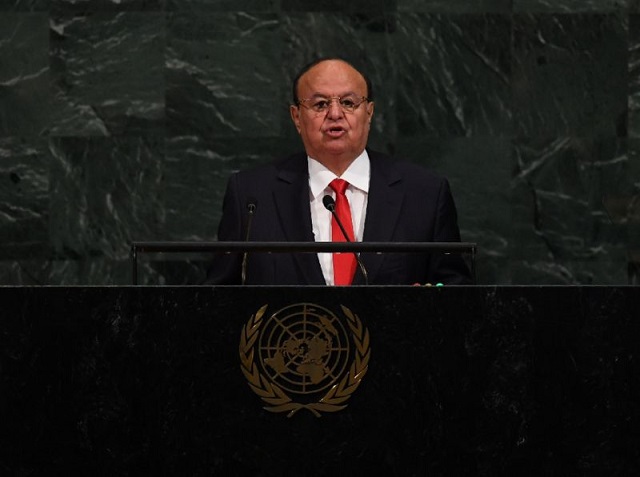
(291, 196)
(384, 206)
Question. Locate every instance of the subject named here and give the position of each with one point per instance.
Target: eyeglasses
(320, 104)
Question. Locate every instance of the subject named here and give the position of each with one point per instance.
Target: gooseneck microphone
(330, 205)
(252, 205)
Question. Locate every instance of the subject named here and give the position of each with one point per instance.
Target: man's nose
(335, 110)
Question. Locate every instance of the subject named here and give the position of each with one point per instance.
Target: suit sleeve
(448, 269)
(225, 269)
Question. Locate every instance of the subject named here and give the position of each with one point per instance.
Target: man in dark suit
(383, 200)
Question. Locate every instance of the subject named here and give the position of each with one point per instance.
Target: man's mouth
(335, 132)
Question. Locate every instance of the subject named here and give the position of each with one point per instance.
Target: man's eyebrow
(320, 95)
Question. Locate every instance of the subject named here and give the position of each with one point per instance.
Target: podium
(481, 381)
(247, 248)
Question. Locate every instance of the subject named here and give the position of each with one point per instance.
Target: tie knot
(339, 186)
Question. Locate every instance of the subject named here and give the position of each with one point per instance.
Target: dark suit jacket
(406, 203)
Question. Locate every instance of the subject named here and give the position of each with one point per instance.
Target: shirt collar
(357, 174)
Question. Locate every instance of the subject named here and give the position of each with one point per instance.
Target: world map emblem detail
(304, 356)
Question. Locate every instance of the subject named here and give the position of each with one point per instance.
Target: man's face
(332, 136)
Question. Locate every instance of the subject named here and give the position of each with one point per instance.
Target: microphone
(330, 205)
(252, 205)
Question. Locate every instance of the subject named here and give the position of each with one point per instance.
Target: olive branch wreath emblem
(278, 400)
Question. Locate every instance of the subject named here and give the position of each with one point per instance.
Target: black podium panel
(481, 381)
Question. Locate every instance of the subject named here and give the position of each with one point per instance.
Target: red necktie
(344, 264)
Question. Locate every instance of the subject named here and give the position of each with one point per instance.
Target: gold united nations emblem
(304, 356)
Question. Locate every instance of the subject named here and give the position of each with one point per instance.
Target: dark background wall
(121, 120)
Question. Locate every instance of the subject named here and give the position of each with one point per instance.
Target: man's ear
(370, 108)
(295, 116)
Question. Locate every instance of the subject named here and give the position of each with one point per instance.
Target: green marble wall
(121, 120)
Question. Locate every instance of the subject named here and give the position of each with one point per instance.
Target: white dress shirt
(357, 175)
